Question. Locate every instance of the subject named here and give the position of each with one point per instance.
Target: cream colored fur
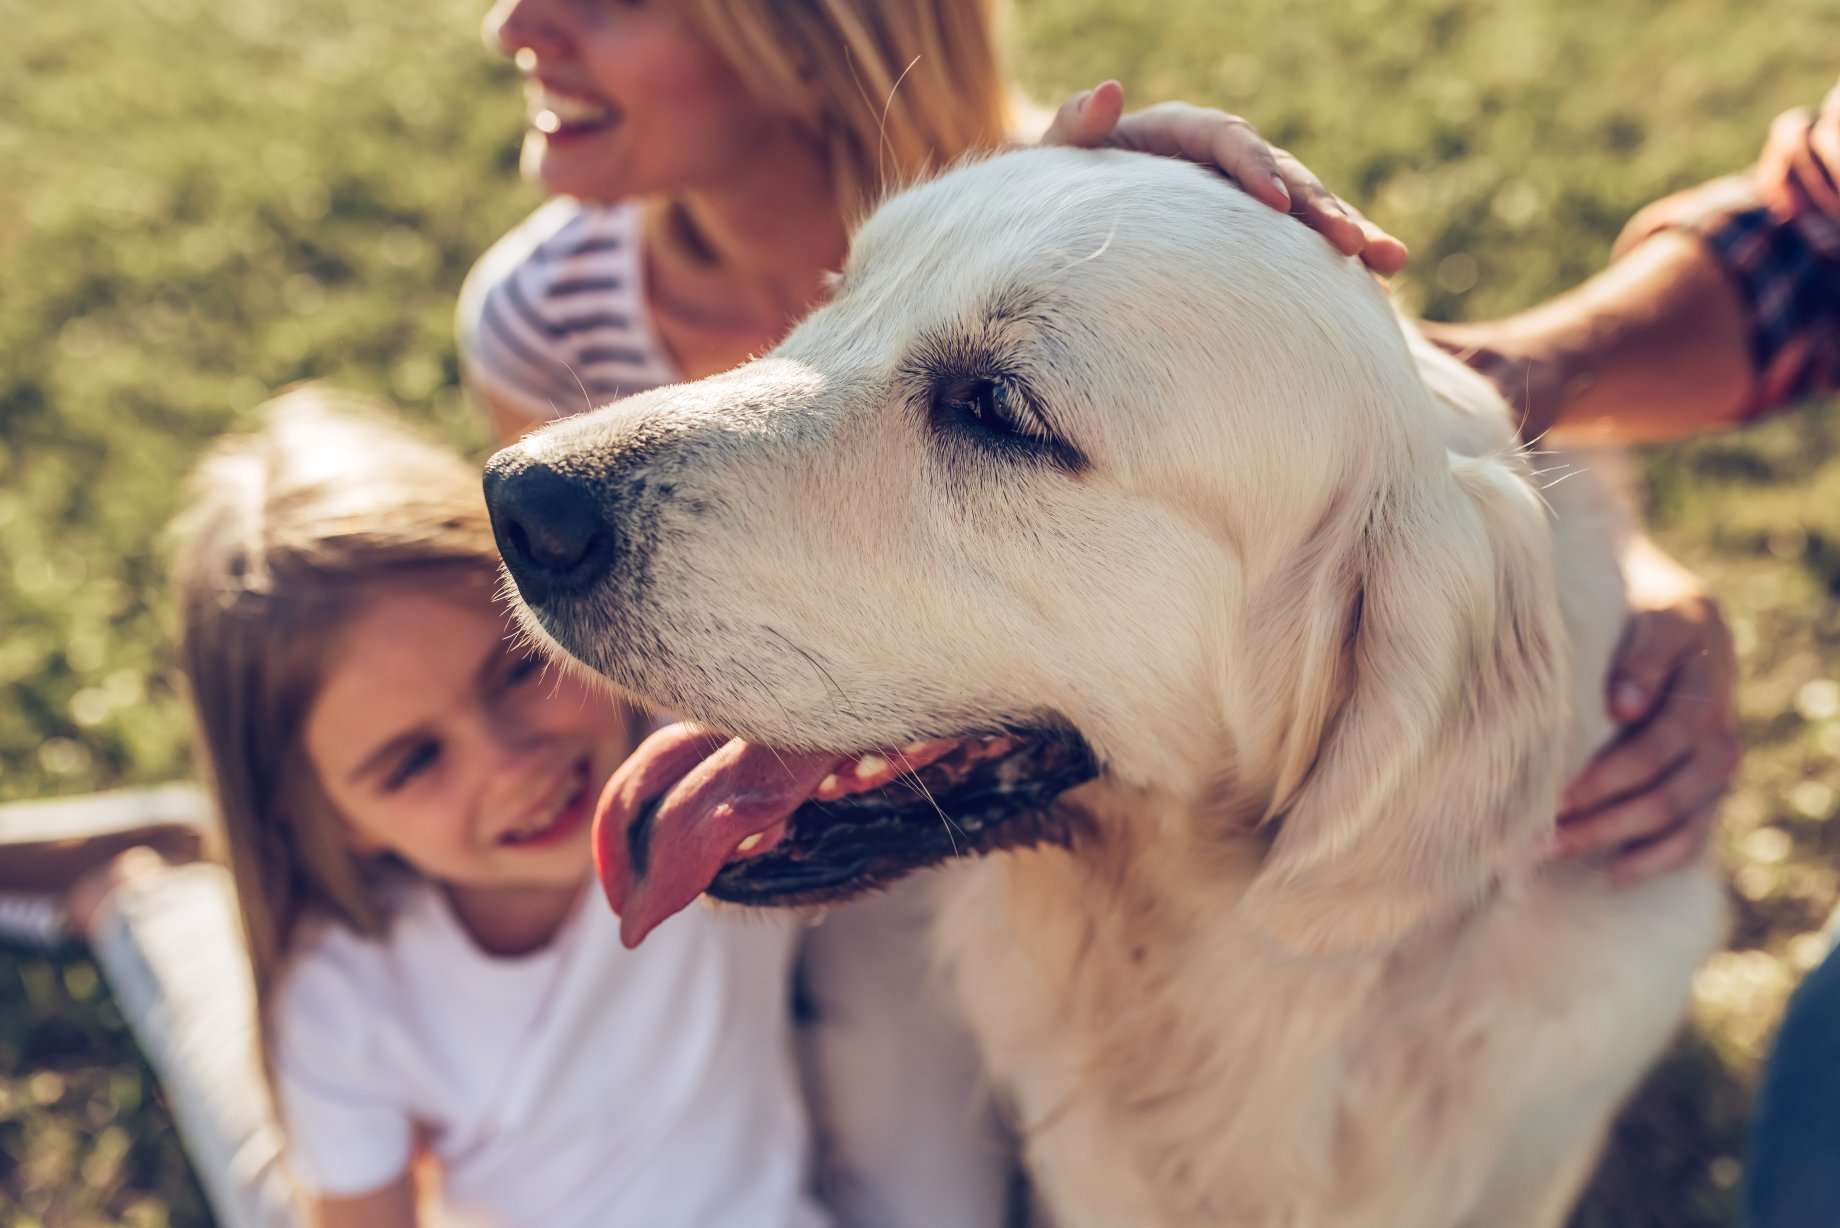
(1335, 646)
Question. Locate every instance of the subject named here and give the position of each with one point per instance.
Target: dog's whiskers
(1569, 473)
(843, 700)
(587, 398)
(912, 774)
(784, 713)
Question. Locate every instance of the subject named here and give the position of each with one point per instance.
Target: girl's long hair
(286, 531)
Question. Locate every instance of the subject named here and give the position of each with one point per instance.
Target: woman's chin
(581, 170)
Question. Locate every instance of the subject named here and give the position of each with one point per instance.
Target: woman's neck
(734, 265)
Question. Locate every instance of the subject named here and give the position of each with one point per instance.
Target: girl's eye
(416, 760)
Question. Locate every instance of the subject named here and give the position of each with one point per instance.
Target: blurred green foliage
(206, 201)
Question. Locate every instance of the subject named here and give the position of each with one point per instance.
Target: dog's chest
(1165, 1073)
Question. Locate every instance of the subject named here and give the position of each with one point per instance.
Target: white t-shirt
(583, 1084)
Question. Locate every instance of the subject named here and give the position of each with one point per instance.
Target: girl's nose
(509, 745)
(512, 767)
(512, 26)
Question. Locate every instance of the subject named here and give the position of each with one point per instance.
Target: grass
(210, 201)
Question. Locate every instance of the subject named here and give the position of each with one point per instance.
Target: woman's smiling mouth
(556, 113)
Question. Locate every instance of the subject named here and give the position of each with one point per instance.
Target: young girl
(406, 794)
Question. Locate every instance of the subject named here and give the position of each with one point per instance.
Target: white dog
(1095, 471)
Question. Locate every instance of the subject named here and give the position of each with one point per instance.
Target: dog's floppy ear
(1434, 768)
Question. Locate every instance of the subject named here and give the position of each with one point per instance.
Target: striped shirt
(1776, 230)
(552, 320)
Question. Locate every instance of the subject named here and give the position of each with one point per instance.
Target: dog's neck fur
(1088, 999)
(1098, 1038)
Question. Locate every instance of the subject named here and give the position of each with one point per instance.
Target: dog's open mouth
(692, 811)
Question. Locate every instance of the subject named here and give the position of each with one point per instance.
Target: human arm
(1724, 304)
(1231, 145)
(1650, 799)
(1654, 347)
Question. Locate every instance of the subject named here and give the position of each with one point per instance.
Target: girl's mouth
(560, 116)
(567, 811)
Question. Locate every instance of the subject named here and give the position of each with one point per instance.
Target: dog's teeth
(750, 844)
(870, 765)
(827, 788)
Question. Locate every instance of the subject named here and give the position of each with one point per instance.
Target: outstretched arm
(1723, 305)
(1655, 347)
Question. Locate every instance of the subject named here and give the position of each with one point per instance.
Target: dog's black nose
(549, 527)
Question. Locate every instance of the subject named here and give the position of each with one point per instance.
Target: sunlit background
(200, 202)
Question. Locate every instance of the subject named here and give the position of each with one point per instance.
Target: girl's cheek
(534, 705)
(429, 835)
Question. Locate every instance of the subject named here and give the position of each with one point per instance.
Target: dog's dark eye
(992, 412)
(980, 403)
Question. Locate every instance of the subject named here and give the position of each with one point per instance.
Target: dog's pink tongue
(716, 794)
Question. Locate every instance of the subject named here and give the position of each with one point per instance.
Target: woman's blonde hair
(890, 89)
(286, 532)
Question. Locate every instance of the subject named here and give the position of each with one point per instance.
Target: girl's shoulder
(329, 965)
(336, 1056)
(552, 319)
(331, 970)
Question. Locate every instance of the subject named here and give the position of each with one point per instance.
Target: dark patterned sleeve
(1776, 230)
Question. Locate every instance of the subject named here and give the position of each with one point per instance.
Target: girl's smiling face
(626, 99)
(475, 762)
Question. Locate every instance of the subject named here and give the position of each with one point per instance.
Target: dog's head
(1090, 465)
